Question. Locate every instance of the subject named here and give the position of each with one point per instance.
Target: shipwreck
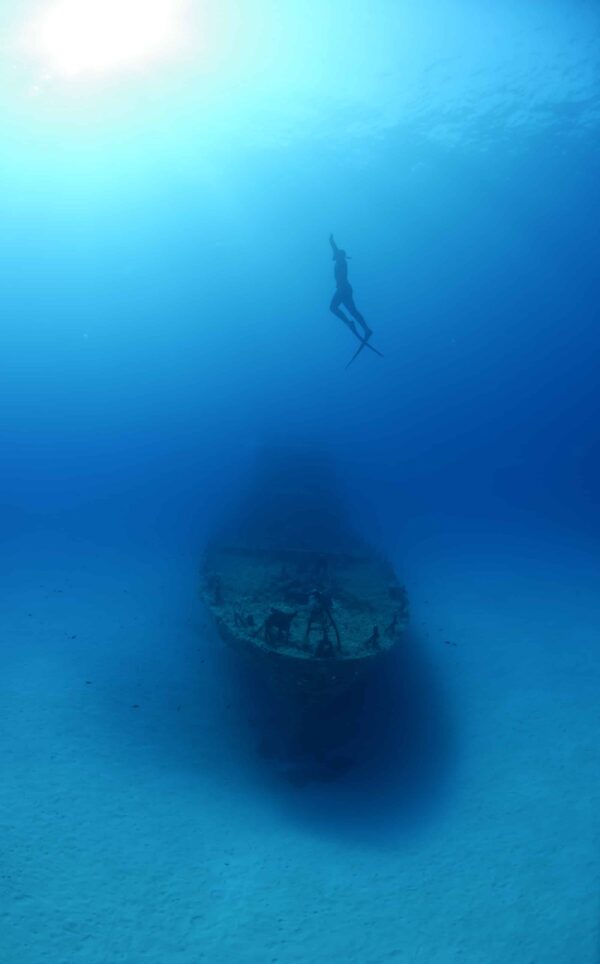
(291, 584)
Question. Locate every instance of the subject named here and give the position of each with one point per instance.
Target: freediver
(343, 294)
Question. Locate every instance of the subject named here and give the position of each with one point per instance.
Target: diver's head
(339, 255)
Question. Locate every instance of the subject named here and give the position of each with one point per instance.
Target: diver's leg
(334, 307)
(348, 303)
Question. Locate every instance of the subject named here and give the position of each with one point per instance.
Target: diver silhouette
(343, 294)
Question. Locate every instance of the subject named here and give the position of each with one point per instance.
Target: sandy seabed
(139, 823)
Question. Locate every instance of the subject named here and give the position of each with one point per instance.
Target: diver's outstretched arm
(334, 246)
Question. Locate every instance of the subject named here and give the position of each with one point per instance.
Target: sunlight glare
(74, 37)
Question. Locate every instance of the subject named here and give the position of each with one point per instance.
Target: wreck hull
(304, 681)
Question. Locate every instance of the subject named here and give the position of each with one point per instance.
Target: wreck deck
(265, 600)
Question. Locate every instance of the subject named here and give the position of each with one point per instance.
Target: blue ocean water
(166, 203)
